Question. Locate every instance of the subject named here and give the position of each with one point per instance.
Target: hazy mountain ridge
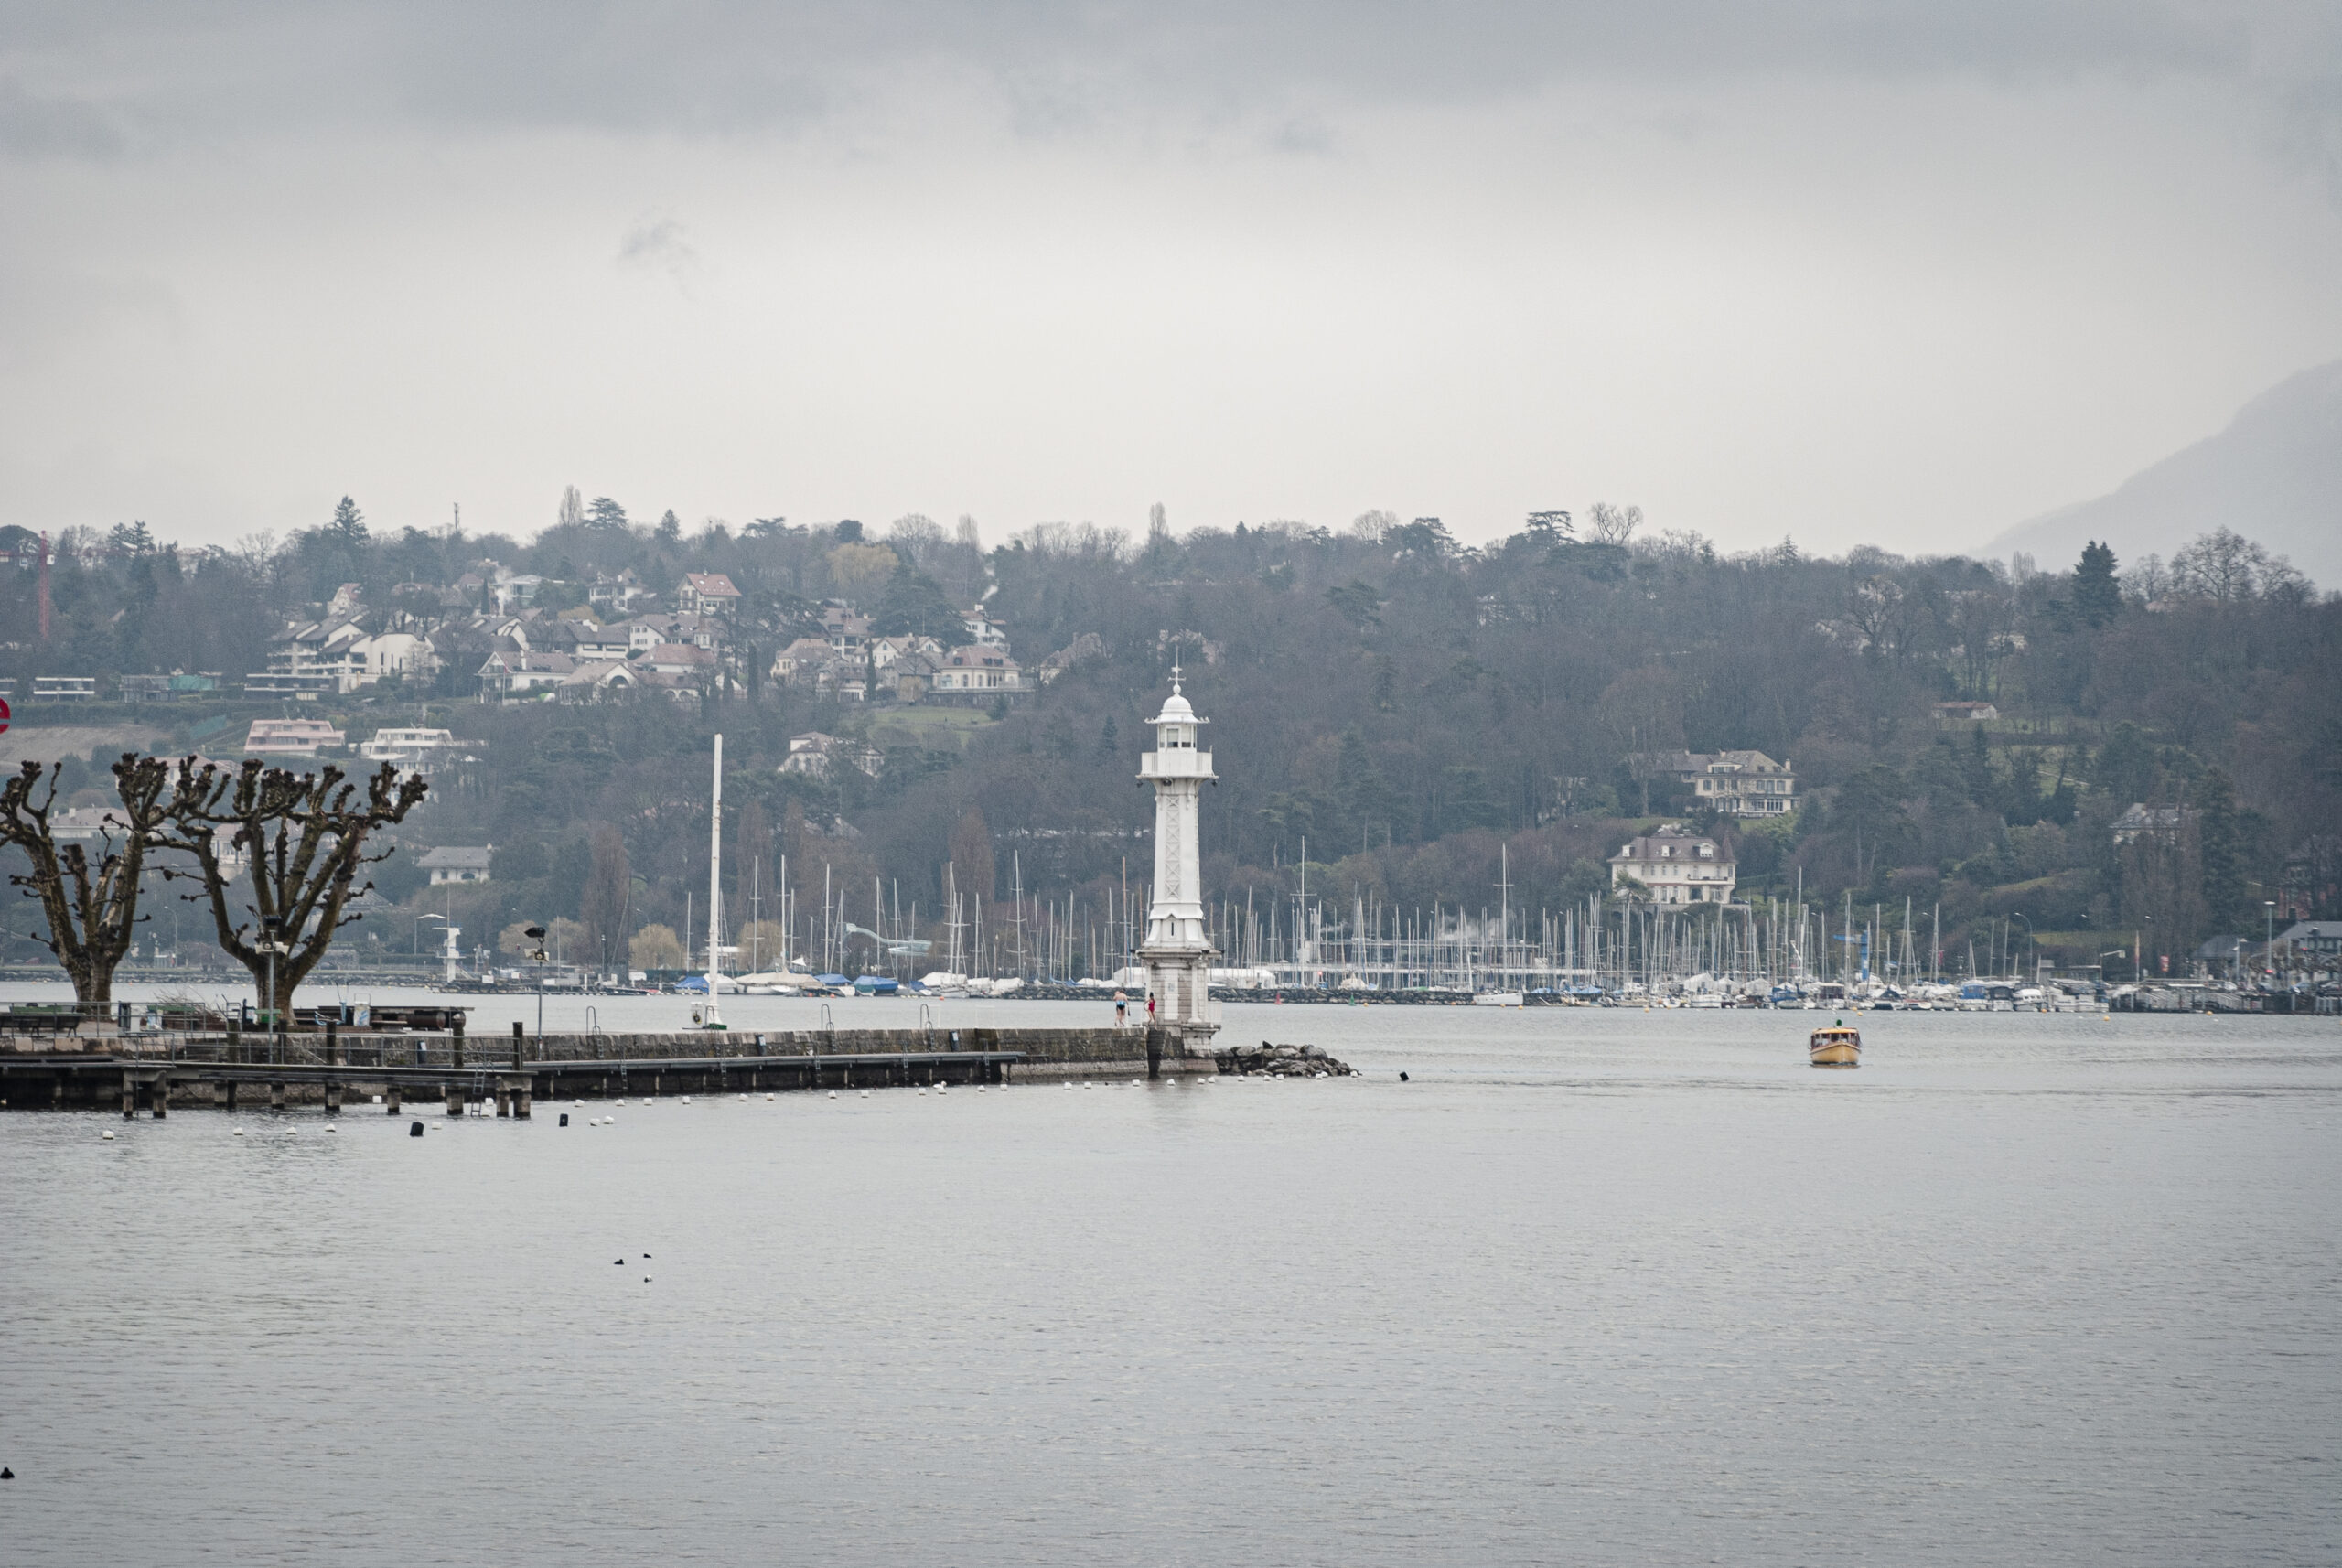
(2274, 475)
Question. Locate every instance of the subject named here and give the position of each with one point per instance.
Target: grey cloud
(42, 127)
(719, 66)
(658, 243)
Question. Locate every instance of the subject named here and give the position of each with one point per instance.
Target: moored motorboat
(1836, 1046)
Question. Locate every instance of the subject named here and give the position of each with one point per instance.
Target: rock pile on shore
(1281, 1061)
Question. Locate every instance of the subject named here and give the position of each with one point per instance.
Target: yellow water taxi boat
(1836, 1046)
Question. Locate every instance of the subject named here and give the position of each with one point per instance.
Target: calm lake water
(1595, 1287)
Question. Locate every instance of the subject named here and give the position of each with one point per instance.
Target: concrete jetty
(155, 1073)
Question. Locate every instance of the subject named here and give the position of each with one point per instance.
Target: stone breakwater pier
(155, 1074)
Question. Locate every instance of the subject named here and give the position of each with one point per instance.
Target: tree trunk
(93, 920)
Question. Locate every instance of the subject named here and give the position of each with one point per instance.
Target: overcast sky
(1903, 273)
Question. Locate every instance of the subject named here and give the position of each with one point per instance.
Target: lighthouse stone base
(1179, 980)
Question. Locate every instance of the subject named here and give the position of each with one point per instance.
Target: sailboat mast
(715, 875)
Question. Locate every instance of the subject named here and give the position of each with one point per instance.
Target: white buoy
(609, 1121)
(621, 1100)
(770, 1096)
(331, 1128)
(744, 1100)
(687, 1099)
(1069, 1089)
(378, 1099)
(922, 1091)
(865, 1094)
(105, 1137)
(239, 1132)
(577, 1102)
(833, 1094)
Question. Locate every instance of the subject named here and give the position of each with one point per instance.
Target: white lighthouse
(1177, 951)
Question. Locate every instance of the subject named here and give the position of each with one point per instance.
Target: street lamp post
(537, 956)
(269, 925)
(2269, 937)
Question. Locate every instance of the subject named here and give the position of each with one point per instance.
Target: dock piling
(158, 1097)
(521, 1096)
(390, 1095)
(276, 1094)
(455, 1099)
(333, 1100)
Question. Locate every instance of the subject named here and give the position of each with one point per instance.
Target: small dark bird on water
(6, 1474)
(646, 1257)
(619, 1262)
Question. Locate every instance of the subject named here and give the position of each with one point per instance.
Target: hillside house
(2139, 819)
(1676, 867)
(596, 679)
(976, 674)
(707, 593)
(814, 754)
(1732, 783)
(619, 595)
(456, 863)
(848, 633)
(178, 686)
(513, 674)
(415, 750)
(291, 737)
(65, 688)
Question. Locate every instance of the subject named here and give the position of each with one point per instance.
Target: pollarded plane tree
(302, 841)
(92, 912)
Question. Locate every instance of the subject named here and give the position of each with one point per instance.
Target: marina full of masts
(1607, 948)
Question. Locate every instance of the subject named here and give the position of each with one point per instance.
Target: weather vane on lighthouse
(1177, 951)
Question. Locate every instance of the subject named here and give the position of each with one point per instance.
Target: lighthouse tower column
(1176, 951)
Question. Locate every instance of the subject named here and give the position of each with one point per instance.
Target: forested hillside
(1399, 705)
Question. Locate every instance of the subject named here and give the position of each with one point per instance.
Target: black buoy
(1402, 1078)
(617, 1262)
(564, 1118)
(414, 1129)
(6, 1474)
(646, 1257)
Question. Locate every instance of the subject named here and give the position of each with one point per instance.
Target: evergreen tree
(349, 524)
(2221, 840)
(2126, 768)
(1365, 794)
(914, 602)
(1984, 783)
(2098, 597)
